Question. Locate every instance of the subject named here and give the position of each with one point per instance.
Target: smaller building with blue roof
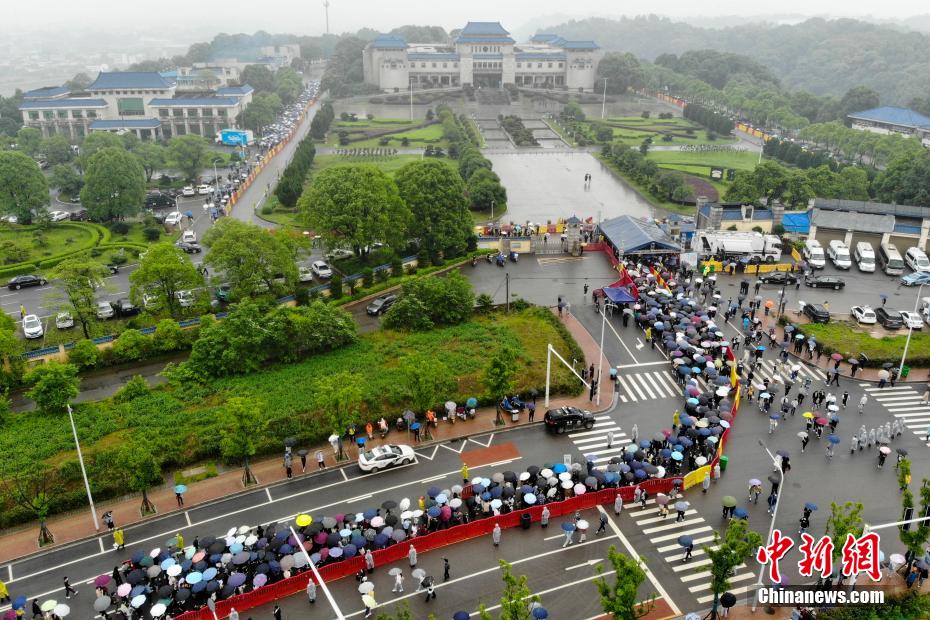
(892, 119)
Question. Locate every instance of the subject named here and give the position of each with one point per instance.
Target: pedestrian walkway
(648, 385)
(595, 441)
(904, 403)
(663, 532)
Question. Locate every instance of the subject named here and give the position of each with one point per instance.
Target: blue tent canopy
(619, 295)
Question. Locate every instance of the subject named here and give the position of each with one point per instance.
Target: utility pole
(326, 8)
(604, 99)
(77, 444)
(411, 99)
(507, 289)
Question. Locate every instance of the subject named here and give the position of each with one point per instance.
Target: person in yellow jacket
(4, 593)
(465, 473)
(180, 540)
(119, 538)
(422, 503)
(676, 418)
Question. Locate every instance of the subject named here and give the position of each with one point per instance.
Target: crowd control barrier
(429, 542)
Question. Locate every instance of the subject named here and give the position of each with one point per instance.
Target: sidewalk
(71, 527)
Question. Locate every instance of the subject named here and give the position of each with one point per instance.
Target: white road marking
(268, 493)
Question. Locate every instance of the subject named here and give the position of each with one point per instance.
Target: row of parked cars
(273, 134)
(888, 259)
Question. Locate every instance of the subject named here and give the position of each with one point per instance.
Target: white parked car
(912, 320)
(321, 269)
(185, 298)
(339, 254)
(385, 456)
(174, 218)
(64, 320)
(32, 326)
(864, 315)
(204, 190)
(304, 273)
(59, 216)
(188, 191)
(916, 259)
(150, 301)
(104, 310)
(189, 236)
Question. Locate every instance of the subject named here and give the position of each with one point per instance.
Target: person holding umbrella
(569, 529)
(398, 580)
(427, 584)
(772, 500)
(882, 454)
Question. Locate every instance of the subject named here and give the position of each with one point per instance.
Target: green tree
(66, 179)
(52, 386)
(483, 188)
(622, 71)
(84, 354)
(435, 195)
(29, 140)
(241, 343)
(843, 520)
(288, 85)
(258, 77)
(56, 150)
(251, 258)
(515, 599)
(11, 349)
(498, 378)
(355, 206)
(79, 82)
(738, 545)
(315, 328)
(188, 154)
(144, 472)
(152, 156)
(131, 345)
(163, 272)
(243, 424)
(97, 141)
(408, 314)
(34, 489)
(340, 398)
(79, 280)
(426, 381)
(23, 188)
(858, 99)
(114, 185)
(261, 111)
(620, 599)
(914, 536)
(168, 336)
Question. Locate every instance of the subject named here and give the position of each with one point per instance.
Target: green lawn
(846, 338)
(33, 244)
(637, 129)
(700, 163)
(645, 193)
(389, 164)
(418, 137)
(184, 426)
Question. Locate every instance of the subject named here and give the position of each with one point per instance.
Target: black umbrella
(902, 451)
(389, 504)
(206, 541)
(888, 365)
(165, 592)
(182, 595)
(510, 476)
(262, 568)
(727, 600)
(218, 547)
(290, 442)
(135, 577)
(774, 479)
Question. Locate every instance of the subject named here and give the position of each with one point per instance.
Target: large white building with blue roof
(145, 103)
(482, 55)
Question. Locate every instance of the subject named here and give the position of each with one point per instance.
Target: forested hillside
(824, 57)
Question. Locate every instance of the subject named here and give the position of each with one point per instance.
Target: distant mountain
(825, 57)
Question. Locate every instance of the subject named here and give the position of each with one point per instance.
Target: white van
(924, 309)
(890, 259)
(865, 257)
(813, 254)
(916, 259)
(839, 254)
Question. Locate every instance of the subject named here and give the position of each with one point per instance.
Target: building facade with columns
(482, 55)
(144, 103)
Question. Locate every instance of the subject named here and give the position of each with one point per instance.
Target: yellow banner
(695, 477)
(795, 254)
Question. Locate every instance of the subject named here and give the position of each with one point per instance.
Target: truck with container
(753, 246)
(235, 137)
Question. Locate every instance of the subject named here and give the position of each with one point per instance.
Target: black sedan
(190, 248)
(780, 278)
(815, 281)
(381, 305)
(23, 281)
(889, 319)
(567, 419)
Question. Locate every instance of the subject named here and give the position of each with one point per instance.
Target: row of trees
(321, 121)
(665, 184)
(794, 187)
(866, 147)
(482, 185)
(713, 121)
(291, 183)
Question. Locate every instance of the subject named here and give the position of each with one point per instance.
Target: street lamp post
(90, 498)
(604, 98)
(910, 330)
(768, 540)
(492, 210)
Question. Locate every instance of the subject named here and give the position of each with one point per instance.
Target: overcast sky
(306, 16)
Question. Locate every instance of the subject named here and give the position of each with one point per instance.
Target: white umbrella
(582, 524)
(405, 504)
(365, 587)
(61, 610)
(419, 574)
(158, 610)
(394, 572)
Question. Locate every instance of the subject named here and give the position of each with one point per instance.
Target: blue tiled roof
(217, 101)
(762, 214)
(797, 222)
(434, 56)
(63, 103)
(128, 79)
(136, 123)
(484, 28)
(540, 56)
(731, 214)
(544, 38)
(907, 228)
(893, 116)
(579, 45)
(389, 42)
(633, 235)
(226, 91)
(48, 91)
(480, 39)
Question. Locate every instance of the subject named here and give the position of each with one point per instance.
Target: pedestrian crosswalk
(596, 440)
(663, 533)
(768, 369)
(647, 385)
(904, 403)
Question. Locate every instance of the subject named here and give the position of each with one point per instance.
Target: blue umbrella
(810, 506)
(685, 420)
(209, 574)
(665, 453)
(434, 491)
(180, 488)
(693, 401)
(477, 488)
(370, 514)
(194, 577)
(568, 527)
(471, 402)
(834, 439)
(350, 551)
(20, 601)
(775, 416)
(496, 492)
(740, 513)
(136, 591)
(486, 496)
(643, 444)
(433, 512)
(610, 477)
(559, 468)
(685, 442)
(678, 448)
(461, 615)
(685, 541)
(540, 613)
(684, 370)
(760, 348)
(677, 456)
(640, 474)
(695, 370)
(168, 562)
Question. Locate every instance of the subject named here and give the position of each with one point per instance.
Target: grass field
(418, 137)
(700, 163)
(637, 129)
(183, 426)
(34, 244)
(846, 338)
